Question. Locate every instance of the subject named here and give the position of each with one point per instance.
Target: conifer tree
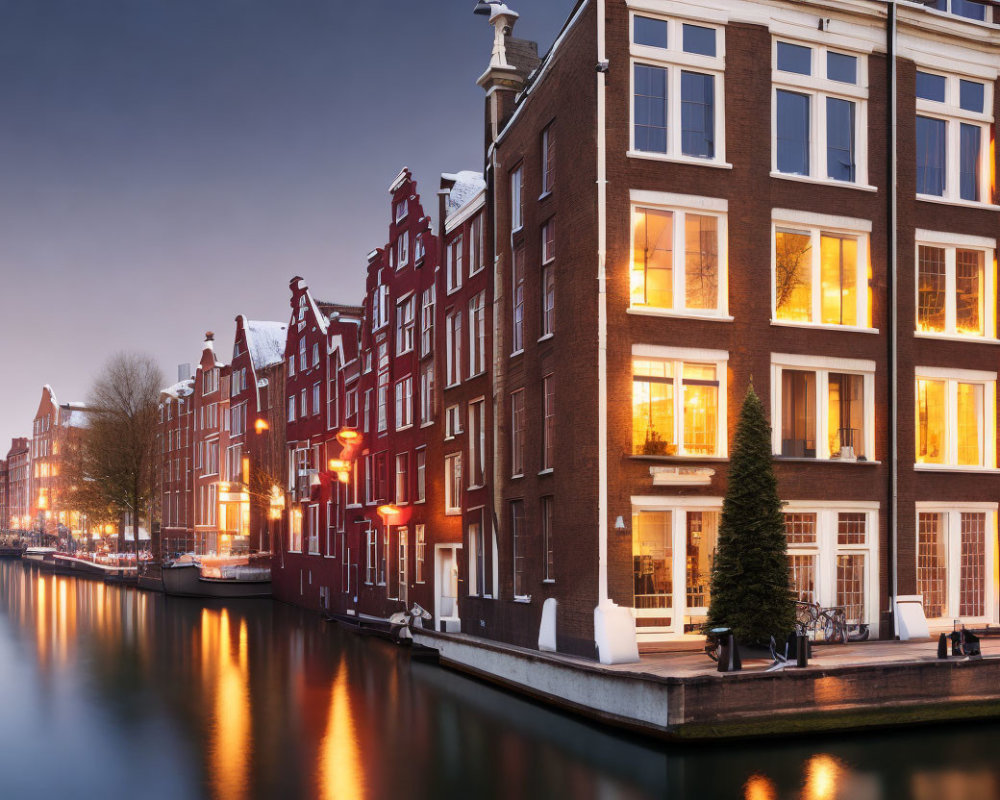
(750, 578)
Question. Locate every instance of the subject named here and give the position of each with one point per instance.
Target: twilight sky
(168, 164)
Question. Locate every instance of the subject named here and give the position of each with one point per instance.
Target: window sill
(545, 195)
(475, 487)
(954, 468)
(453, 385)
(678, 459)
(787, 176)
(517, 353)
(643, 311)
(949, 201)
(517, 477)
(522, 599)
(844, 461)
(452, 290)
(547, 471)
(419, 503)
(404, 427)
(822, 326)
(549, 580)
(426, 424)
(954, 337)
(453, 512)
(475, 272)
(546, 337)
(694, 161)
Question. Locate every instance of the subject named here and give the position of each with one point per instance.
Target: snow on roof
(266, 342)
(183, 388)
(468, 185)
(76, 416)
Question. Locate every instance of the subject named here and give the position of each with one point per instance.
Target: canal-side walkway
(679, 693)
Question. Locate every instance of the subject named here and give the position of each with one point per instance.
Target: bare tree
(119, 447)
(790, 266)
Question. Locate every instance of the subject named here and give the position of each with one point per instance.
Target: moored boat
(185, 578)
(34, 556)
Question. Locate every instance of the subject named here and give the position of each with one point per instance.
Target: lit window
(825, 407)
(820, 109)
(677, 86)
(953, 549)
(663, 239)
(952, 137)
(955, 418)
(821, 276)
(955, 290)
(677, 404)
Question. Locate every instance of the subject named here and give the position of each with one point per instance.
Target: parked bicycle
(829, 625)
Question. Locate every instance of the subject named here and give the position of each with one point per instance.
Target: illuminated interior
(793, 276)
(931, 433)
(653, 258)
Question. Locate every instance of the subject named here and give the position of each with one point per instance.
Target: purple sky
(169, 164)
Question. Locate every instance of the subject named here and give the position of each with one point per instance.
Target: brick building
(4, 497)
(176, 487)
(702, 218)
(210, 438)
(18, 485)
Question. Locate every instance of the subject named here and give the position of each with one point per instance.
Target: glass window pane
(839, 280)
(846, 415)
(971, 95)
(851, 528)
(697, 114)
(701, 262)
(793, 276)
(702, 538)
(840, 139)
(972, 581)
(932, 439)
(930, 87)
(970, 415)
(798, 414)
(931, 290)
(968, 9)
(794, 58)
(650, 32)
(932, 564)
(652, 415)
(851, 586)
(969, 291)
(653, 254)
(842, 68)
(793, 132)
(800, 528)
(650, 109)
(930, 156)
(969, 164)
(698, 39)
(652, 558)
(701, 410)
(802, 575)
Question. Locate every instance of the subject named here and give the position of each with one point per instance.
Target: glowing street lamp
(348, 437)
(388, 510)
(261, 425)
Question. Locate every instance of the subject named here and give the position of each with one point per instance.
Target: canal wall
(734, 705)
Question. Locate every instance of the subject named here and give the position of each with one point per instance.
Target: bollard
(801, 651)
(942, 646)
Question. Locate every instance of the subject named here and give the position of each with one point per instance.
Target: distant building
(18, 485)
(176, 476)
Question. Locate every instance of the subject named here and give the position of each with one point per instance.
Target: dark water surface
(109, 692)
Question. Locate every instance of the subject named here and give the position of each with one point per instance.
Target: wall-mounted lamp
(620, 524)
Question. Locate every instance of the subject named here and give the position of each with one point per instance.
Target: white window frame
(950, 243)
(405, 324)
(314, 529)
(682, 355)
(815, 225)
(680, 205)
(517, 198)
(675, 60)
(453, 349)
(452, 422)
(477, 442)
(477, 334)
(404, 402)
(952, 512)
(456, 260)
(953, 115)
(427, 321)
(452, 478)
(818, 89)
(822, 366)
(952, 377)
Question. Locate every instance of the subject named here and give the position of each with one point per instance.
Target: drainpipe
(893, 312)
(602, 312)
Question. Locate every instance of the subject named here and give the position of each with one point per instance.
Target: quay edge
(737, 705)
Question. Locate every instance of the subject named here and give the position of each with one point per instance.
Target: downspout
(602, 313)
(893, 312)
(498, 361)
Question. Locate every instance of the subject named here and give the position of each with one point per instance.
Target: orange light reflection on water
(824, 775)
(758, 787)
(340, 774)
(230, 737)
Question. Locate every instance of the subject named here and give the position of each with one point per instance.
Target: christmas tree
(750, 579)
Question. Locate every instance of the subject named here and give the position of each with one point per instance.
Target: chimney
(209, 341)
(511, 62)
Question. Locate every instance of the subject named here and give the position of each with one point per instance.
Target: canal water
(108, 692)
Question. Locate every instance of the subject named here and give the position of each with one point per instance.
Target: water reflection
(114, 693)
